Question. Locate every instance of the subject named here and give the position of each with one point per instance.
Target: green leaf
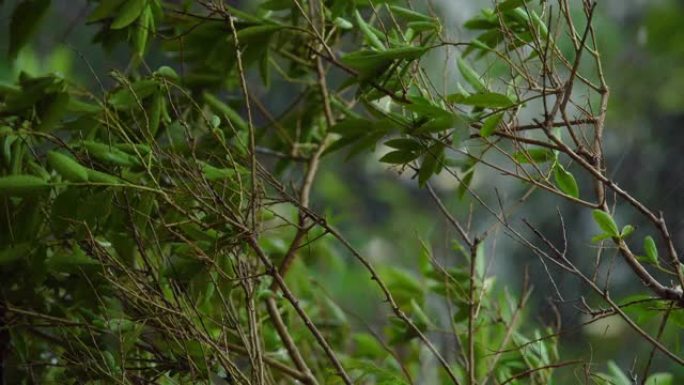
(481, 23)
(660, 379)
(432, 161)
(426, 107)
(380, 374)
(68, 167)
(565, 181)
(214, 173)
(403, 286)
(370, 62)
(22, 185)
(110, 155)
(606, 222)
(365, 142)
(81, 106)
(167, 73)
(484, 100)
(24, 23)
(651, 250)
(13, 253)
(437, 124)
(626, 231)
(222, 109)
(127, 97)
(343, 23)
(534, 155)
(600, 237)
(142, 31)
(134, 148)
(69, 261)
(490, 124)
(370, 36)
(404, 144)
(257, 33)
(480, 260)
(470, 76)
(462, 312)
(420, 26)
(410, 15)
(618, 375)
(352, 126)
(466, 180)
(128, 13)
(367, 346)
(155, 114)
(425, 258)
(399, 157)
(421, 319)
(539, 23)
(101, 177)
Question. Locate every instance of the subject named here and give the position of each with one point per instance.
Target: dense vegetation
(157, 225)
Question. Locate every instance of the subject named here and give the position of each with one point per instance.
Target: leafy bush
(153, 226)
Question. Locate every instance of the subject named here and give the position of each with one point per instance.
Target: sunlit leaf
(343, 23)
(606, 222)
(651, 250)
(626, 231)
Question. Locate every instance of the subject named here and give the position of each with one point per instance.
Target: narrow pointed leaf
(470, 76)
(534, 155)
(483, 99)
(372, 39)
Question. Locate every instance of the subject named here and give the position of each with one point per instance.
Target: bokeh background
(386, 215)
